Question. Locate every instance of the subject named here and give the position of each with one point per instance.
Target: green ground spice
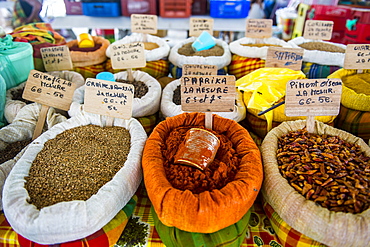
(134, 234)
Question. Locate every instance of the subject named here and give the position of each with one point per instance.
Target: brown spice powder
(187, 50)
(76, 164)
(320, 46)
(140, 88)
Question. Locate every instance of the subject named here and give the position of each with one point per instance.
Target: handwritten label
(208, 93)
(49, 90)
(198, 25)
(313, 97)
(321, 30)
(290, 58)
(258, 28)
(357, 56)
(144, 23)
(56, 58)
(108, 98)
(199, 69)
(130, 55)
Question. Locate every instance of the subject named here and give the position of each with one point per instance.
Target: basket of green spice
(74, 178)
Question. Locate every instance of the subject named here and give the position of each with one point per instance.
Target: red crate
(337, 14)
(363, 15)
(360, 34)
(175, 8)
(199, 7)
(73, 8)
(145, 7)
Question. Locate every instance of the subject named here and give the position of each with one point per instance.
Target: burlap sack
(170, 109)
(68, 221)
(320, 224)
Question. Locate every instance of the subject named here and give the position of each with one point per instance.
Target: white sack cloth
(170, 109)
(320, 57)
(141, 107)
(335, 229)
(151, 55)
(68, 221)
(220, 61)
(237, 47)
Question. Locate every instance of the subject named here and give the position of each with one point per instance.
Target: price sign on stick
(319, 30)
(144, 23)
(108, 98)
(130, 55)
(48, 90)
(198, 25)
(313, 97)
(290, 58)
(258, 28)
(199, 69)
(208, 94)
(357, 56)
(56, 58)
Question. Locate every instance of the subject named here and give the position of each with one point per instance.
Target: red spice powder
(215, 176)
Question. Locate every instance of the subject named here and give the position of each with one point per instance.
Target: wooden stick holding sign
(258, 29)
(49, 91)
(144, 24)
(357, 57)
(208, 94)
(313, 97)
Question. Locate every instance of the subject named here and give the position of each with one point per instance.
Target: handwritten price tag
(258, 28)
(198, 25)
(321, 30)
(313, 97)
(357, 56)
(208, 93)
(108, 98)
(127, 56)
(290, 58)
(199, 69)
(144, 23)
(49, 90)
(56, 58)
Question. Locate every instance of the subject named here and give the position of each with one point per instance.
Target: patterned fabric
(156, 69)
(354, 122)
(288, 236)
(176, 71)
(105, 237)
(19, 16)
(256, 125)
(241, 66)
(148, 122)
(317, 71)
(90, 71)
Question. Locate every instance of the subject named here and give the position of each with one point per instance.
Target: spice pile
(76, 164)
(360, 83)
(215, 176)
(326, 169)
(260, 45)
(176, 99)
(12, 149)
(134, 234)
(17, 95)
(187, 50)
(140, 88)
(150, 46)
(321, 46)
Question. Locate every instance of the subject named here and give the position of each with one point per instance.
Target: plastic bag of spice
(182, 53)
(171, 103)
(211, 199)
(156, 54)
(14, 101)
(320, 58)
(309, 217)
(250, 54)
(70, 220)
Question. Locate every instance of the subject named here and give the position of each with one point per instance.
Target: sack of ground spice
(317, 183)
(320, 58)
(183, 53)
(89, 61)
(248, 55)
(74, 178)
(156, 54)
(212, 199)
(171, 103)
(14, 101)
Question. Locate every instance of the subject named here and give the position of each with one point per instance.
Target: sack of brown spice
(74, 178)
(219, 55)
(171, 103)
(317, 183)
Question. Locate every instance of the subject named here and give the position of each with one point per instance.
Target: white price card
(198, 25)
(258, 28)
(318, 30)
(357, 56)
(127, 56)
(144, 23)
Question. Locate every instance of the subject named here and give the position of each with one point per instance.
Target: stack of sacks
(156, 54)
(219, 55)
(320, 58)
(144, 109)
(249, 54)
(354, 114)
(15, 102)
(264, 88)
(193, 207)
(170, 108)
(89, 61)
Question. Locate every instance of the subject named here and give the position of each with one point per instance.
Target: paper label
(144, 23)
(199, 69)
(198, 25)
(319, 30)
(258, 28)
(357, 56)
(125, 56)
(56, 58)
